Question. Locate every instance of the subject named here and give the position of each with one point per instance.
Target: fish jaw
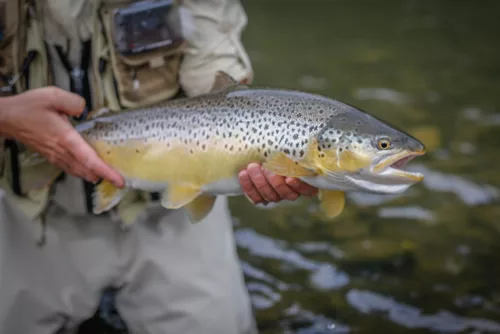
(392, 166)
(384, 177)
(387, 175)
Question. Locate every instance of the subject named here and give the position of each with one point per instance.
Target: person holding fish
(60, 61)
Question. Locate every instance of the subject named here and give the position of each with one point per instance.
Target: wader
(172, 276)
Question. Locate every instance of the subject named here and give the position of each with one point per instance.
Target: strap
(80, 85)
(78, 75)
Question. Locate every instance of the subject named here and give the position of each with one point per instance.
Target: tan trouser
(174, 277)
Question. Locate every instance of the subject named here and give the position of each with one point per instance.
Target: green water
(426, 261)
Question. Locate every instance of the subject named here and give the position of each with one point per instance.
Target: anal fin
(332, 202)
(200, 207)
(280, 164)
(106, 196)
(177, 196)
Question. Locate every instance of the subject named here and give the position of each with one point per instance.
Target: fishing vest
(72, 44)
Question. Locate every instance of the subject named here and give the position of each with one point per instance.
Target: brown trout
(192, 149)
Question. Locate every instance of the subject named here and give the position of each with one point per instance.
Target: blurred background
(428, 260)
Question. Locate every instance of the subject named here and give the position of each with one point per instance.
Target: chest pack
(117, 54)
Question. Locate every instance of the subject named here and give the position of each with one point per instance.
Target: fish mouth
(393, 166)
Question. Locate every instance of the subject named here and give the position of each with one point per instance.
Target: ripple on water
(469, 192)
(258, 274)
(319, 324)
(407, 212)
(412, 317)
(324, 276)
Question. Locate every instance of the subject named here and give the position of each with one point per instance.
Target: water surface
(427, 261)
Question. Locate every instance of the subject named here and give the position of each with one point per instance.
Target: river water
(428, 260)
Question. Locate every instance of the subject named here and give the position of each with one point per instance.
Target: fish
(191, 150)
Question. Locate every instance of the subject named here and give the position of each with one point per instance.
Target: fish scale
(192, 149)
(261, 122)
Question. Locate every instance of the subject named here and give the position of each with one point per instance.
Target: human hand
(38, 119)
(262, 186)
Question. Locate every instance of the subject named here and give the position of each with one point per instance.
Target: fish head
(357, 151)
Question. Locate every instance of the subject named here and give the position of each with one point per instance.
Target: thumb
(63, 101)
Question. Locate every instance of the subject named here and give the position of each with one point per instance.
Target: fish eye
(384, 144)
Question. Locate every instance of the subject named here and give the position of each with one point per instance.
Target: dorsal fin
(223, 81)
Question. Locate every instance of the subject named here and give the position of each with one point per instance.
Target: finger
(73, 167)
(259, 180)
(59, 156)
(88, 159)
(80, 171)
(249, 188)
(301, 187)
(98, 167)
(64, 101)
(280, 186)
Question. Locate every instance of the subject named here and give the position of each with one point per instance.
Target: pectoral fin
(280, 164)
(332, 202)
(200, 207)
(106, 196)
(177, 196)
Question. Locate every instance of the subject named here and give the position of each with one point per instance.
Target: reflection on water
(469, 192)
(418, 262)
(412, 317)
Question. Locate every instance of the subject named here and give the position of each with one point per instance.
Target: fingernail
(253, 165)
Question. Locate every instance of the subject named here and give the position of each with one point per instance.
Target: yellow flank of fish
(178, 163)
